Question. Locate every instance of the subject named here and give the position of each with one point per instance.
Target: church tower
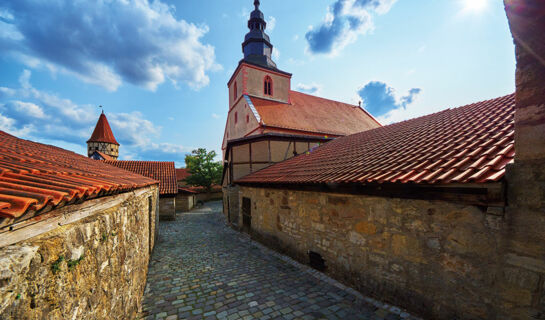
(257, 74)
(103, 141)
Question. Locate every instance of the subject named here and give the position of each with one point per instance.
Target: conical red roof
(103, 132)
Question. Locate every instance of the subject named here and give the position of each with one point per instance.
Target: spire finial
(256, 4)
(101, 109)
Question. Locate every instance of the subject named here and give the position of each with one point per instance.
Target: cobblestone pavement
(203, 269)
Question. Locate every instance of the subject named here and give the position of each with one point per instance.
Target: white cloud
(312, 88)
(271, 23)
(30, 109)
(216, 116)
(107, 43)
(276, 54)
(46, 117)
(344, 22)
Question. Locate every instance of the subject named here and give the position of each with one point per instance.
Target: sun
(475, 5)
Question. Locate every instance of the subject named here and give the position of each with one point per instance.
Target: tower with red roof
(102, 144)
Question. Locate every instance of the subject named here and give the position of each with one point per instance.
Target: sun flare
(475, 5)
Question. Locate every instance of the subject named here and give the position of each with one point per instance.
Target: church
(268, 122)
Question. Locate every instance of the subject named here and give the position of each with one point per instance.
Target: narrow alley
(203, 269)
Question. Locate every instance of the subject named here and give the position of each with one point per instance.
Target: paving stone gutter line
(325, 278)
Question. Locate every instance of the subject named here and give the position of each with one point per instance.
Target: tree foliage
(203, 170)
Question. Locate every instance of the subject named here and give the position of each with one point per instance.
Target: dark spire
(257, 47)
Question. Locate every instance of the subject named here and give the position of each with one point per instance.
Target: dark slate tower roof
(103, 132)
(257, 47)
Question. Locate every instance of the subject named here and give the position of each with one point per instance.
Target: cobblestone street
(202, 269)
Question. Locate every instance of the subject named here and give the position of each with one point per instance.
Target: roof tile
(164, 172)
(472, 143)
(103, 132)
(314, 114)
(34, 176)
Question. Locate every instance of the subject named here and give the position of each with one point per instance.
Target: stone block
(463, 240)
(417, 226)
(338, 200)
(356, 238)
(529, 263)
(520, 297)
(530, 139)
(365, 227)
(521, 278)
(407, 247)
(455, 264)
(434, 243)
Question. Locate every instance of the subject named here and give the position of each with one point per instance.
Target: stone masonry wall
(439, 259)
(184, 202)
(167, 208)
(94, 268)
(524, 272)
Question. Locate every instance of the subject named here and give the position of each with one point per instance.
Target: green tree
(204, 171)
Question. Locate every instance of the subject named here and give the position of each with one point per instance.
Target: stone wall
(184, 202)
(204, 197)
(167, 208)
(438, 259)
(92, 268)
(231, 196)
(524, 272)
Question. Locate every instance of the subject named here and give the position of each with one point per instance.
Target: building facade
(268, 122)
(442, 215)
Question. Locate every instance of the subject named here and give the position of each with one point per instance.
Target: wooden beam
(485, 195)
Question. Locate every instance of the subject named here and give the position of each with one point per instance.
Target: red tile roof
(35, 178)
(182, 173)
(313, 114)
(103, 132)
(215, 188)
(473, 143)
(186, 190)
(164, 172)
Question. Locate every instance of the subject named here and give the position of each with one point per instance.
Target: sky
(160, 68)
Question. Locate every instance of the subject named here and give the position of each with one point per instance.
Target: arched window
(235, 91)
(236, 117)
(247, 118)
(268, 86)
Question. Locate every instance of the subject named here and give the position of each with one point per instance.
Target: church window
(268, 86)
(235, 91)
(236, 117)
(247, 118)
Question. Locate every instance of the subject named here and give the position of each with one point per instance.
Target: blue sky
(160, 68)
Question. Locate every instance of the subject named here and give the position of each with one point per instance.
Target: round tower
(102, 141)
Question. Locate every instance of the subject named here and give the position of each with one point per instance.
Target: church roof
(103, 132)
(313, 114)
(164, 172)
(468, 144)
(36, 178)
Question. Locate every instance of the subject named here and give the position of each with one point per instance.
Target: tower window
(236, 117)
(247, 118)
(268, 86)
(235, 92)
